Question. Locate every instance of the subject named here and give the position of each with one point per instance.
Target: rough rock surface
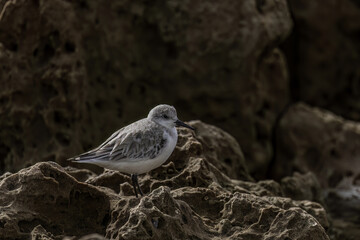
(311, 139)
(302, 187)
(189, 192)
(45, 200)
(74, 71)
(324, 56)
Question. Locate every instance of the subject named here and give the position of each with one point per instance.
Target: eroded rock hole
(63, 139)
(13, 47)
(70, 47)
(4, 151)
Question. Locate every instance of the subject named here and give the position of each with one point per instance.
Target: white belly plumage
(139, 166)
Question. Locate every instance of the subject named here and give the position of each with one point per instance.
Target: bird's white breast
(171, 140)
(150, 164)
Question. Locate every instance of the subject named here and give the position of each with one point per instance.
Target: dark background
(72, 72)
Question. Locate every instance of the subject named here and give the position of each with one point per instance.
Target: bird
(139, 147)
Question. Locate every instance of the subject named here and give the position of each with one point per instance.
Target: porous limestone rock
(323, 54)
(44, 200)
(314, 140)
(189, 197)
(73, 72)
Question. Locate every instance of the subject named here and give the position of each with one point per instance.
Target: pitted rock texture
(203, 213)
(45, 200)
(302, 187)
(189, 197)
(310, 138)
(75, 71)
(314, 140)
(324, 55)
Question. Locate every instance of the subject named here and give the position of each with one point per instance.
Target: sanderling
(138, 147)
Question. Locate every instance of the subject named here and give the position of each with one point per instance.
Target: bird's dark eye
(165, 116)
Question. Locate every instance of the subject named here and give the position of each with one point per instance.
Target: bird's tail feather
(90, 156)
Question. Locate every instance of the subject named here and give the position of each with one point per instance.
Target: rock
(5, 175)
(93, 237)
(44, 200)
(157, 216)
(310, 138)
(77, 70)
(219, 148)
(201, 213)
(40, 233)
(80, 174)
(314, 140)
(110, 179)
(189, 197)
(302, 187)
(343, 207)
(263, 220)
(43, 97)
(324, 56)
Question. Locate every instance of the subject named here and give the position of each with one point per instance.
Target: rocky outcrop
(73, 72)
(314, 140)
(323, 55)
(310, 138)
(45, 200)
(190, 197)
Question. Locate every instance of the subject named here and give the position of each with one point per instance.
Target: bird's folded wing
(137, 145)
(97, 153)
(126, 146)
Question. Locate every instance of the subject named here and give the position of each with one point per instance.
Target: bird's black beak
(180, 123)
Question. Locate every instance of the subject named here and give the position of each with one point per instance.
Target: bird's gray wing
(138, 144)
(96, 153)
(133, 142)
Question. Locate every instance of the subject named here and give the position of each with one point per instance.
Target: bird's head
(166, 116)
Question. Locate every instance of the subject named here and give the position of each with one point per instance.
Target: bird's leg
(137, 183)
(134, 182)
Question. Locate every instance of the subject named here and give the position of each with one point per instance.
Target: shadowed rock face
(314, 140)
(324, 56)
(74, 71)
(187, 198)
(45, 195)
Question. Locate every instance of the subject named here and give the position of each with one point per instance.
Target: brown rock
(219, 148)
(94, 236)
(74, 72)
(46, 195)
(110, 179)
(187, 198)
(157, 216)
(40, 233)
(324, 55)
(302, 187)
(207, 214)
(311, 139)
(42, 96)
(260, 219)
(193, 177)
(80, 174)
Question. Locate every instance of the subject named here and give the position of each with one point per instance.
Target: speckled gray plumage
(139, 140)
